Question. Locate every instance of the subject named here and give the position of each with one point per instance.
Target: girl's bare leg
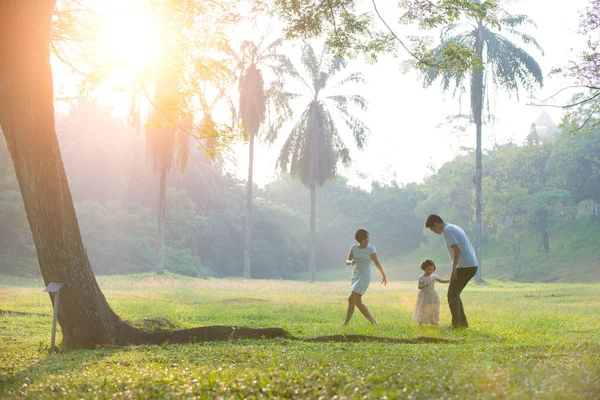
(351, 304)
(364, 310)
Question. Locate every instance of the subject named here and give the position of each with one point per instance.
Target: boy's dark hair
(427, 263)
(433, 219)
(361, 234)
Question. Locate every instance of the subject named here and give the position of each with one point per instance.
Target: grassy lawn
(526, 341)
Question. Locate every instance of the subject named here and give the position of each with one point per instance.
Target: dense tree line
(534, 190)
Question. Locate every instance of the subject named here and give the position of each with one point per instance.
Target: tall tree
(314, 147)
(506, 64)
(160, 146)
(27, 121)
(253, 97)
(585, 71)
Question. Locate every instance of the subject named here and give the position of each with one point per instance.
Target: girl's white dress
(427, 310)
(361, 275)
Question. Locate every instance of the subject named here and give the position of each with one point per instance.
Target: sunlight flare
(129, 41)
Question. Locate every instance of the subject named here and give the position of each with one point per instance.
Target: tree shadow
(53, 363)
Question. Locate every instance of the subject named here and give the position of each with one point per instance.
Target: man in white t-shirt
(464, 264)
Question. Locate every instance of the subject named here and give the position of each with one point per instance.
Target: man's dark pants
(464, 275)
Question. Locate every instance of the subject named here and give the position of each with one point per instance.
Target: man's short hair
(361, 234)
(427, 263)
(433, 219)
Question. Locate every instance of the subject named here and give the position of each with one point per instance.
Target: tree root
(216, 333)
(131, 335)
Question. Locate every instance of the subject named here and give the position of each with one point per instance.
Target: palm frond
(447, 31)
(269, 50)
(311, 64)
(357, 127)
(252, 100)
(278, 100)
(338, 64)
(249, 51)
(513, 21)
(290, 149)
(527, 39)
(279, 63)
(448, 76)
(355, 99)
(355, 77)
(511, 65)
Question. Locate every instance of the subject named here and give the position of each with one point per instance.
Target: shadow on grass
(243, 300)
(65, 361)
(379, 339)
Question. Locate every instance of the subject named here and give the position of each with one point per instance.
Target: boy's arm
(380, 268)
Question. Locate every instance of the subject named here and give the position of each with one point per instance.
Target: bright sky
(404, 118)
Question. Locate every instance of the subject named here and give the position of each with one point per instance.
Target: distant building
(544, 125)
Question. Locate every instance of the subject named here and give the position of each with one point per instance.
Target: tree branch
(412, 54)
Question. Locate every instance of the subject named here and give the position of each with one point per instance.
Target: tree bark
(477, 92)
(162, 200)
(545, 236)
(27, 121)
(249, 199)
(312, 262)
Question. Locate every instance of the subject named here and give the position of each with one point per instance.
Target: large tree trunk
(27, 120)
(249, 199)
(312, 262)
(162, 205)
(477, 91)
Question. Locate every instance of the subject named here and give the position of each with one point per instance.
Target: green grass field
(526, 341)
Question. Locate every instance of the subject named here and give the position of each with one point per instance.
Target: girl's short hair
(426, 264)
(361, 234)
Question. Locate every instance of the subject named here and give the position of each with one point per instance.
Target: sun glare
(129, 41)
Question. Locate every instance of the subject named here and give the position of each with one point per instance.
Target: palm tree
(253, 99)
(506, 64)
(314, 147)
(162, 139)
